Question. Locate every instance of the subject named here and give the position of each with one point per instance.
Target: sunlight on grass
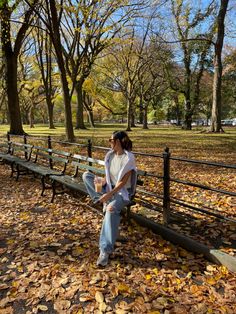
(194, 143)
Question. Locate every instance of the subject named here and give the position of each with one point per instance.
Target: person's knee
(110, 208)
(113, 209)
(85, 176)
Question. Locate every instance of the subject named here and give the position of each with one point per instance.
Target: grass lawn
(193, 144)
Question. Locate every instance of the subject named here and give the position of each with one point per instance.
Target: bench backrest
(21, 150)
(5, 147)
(51, 157)
(83, 163)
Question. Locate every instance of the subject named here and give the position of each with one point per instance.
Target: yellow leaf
(11, 241)
(77, 251)
(167, 250)
(148, 277)
(211, 281)
(123, 287)
(42, 307)
(20, 269)
(178, 281)
(156, 271)
(224, 270)
(154, 312)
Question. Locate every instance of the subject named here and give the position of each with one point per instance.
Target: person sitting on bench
(118, 187)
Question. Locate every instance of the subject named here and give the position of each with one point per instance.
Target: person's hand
(97, 180)
(105, 197)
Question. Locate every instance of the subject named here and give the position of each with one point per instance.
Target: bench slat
(87, 167)
(89, 159)
(53, 158)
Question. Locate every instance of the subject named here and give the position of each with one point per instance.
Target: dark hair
(125, 141)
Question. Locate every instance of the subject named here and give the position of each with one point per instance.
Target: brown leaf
(7, 310)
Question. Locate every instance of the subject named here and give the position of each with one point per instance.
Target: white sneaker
(102, 259)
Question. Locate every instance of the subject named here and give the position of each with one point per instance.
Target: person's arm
(105, 197)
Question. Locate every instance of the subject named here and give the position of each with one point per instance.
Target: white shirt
(116, 164)
(129, 166)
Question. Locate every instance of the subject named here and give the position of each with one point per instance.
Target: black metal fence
(166, 177)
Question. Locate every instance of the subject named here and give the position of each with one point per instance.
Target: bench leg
(43, 185)
(128, 213)
(17, 172)
(53, 191)
(12, 169)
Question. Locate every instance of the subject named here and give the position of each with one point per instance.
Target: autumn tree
(217, 81)
(89, 28)
(151, 77)
(46, 64)
(11, 46)
(229, 84)
(195, 47)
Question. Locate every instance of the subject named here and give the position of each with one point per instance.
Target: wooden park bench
(5, 149)
(45, 162)
(74, 182)
(15, 153)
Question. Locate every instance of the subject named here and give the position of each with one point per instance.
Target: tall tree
(54, 20)
(11, 47)
(87, 30)
(194, 47)
(44, 55)
(216, 101)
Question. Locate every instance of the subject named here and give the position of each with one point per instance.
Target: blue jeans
(111, 221)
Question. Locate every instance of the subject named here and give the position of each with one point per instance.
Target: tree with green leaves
(88, 29)
(195, 48)
(11, 46)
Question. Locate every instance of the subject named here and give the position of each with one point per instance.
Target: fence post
(166, 186)
(50, 147)
(8, 142)
(25, 142)
(89, 148)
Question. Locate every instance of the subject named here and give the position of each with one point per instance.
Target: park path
(48, 254)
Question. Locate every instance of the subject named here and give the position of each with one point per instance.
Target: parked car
(227, 122)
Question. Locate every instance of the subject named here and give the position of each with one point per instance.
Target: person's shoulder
(130, 155)
(108, 154)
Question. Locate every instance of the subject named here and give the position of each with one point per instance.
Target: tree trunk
(31, 116)
(132, 122)
(11, 87)
(68, 114)
(129, 112)
(141, 114)
(145, 109)
(216, 101)
(50, 106)
(80, 107)
(177, 109)
(55, 34)
(10, 55)
(90, 118)
(187, 125)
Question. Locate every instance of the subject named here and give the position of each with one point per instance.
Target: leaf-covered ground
(48, 258)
